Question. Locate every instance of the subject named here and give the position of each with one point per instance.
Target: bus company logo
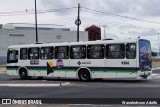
(79, 62)
(59, 63)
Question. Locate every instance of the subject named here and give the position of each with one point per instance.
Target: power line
(68, 20)
(89, 19)
(121, 16)
(26, 12)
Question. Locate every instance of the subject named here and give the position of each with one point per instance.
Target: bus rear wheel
(84, 75)
(23, 73)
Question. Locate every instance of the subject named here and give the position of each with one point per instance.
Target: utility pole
(78, 22)
(36, 22)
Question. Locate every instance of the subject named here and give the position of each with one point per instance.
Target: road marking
(34, 85)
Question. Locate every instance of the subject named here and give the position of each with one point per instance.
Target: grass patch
(2, 66)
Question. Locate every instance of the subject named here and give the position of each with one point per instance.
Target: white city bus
(104, 59)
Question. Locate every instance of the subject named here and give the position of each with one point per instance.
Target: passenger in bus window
(42, 54)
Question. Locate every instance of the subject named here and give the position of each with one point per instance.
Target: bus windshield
(145, 55)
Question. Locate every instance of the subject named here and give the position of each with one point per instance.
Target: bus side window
(95, 51)
(33, 53)
(78, 52)
(62, 52)
(47, 53)
(12, 56)
(23, 53)
(115, 51)
(131, 51)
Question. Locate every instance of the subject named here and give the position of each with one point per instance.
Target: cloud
(148, 32)
(63, 3)
(53, 4)
(111, 35)
(150, 7)
(135, 8)
(58, 4)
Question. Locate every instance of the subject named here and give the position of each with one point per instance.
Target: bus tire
(84, 75)
(23, 73)
(29, 77)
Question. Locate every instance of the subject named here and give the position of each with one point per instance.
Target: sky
(121, 18)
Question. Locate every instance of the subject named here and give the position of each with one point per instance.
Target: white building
(11, 35)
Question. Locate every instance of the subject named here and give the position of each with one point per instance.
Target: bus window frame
(135, 51)
(103, 50)
(26, 55)
(123, 52)
(29, 57)
(15, 56)
(56, 52)
(84, 53)
(53, 53)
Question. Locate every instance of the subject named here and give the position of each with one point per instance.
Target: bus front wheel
(84, 75)
(23, 73)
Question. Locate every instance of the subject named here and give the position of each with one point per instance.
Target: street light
(104, 26)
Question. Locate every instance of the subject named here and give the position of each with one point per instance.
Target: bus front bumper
(145, 74)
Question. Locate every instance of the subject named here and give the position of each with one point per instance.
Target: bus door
(34, 62)
(12, 60)
(129, 63)
(12, 56)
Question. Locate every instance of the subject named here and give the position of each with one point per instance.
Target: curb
(157, 68)
(3, 72)
(155, 75)
(34, 85)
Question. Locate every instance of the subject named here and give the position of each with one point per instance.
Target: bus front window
(12, 56)
(145, 62)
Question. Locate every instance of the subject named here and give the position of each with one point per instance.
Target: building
(11, 35)
(94, 33)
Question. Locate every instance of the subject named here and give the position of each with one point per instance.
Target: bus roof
(76, 43)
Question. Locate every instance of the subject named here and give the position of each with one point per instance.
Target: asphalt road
(78, 89)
